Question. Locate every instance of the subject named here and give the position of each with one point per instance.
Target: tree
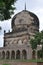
(6, 9)
(33, 43)
(38, 39)
(39, 54)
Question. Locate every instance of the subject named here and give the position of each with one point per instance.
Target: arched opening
(0, 55)
(7, 55)
(3, 55)
(19, 42)
(17, 54)
(33, 54)
(12, 55)
(24, 54)
(39, 54)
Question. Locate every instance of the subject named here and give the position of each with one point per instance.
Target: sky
(35, 6)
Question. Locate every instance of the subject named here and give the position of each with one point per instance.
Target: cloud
(6, 25)
(1, 40)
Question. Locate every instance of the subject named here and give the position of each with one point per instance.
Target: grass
(18, 60)
(5, 64)
(31, 60)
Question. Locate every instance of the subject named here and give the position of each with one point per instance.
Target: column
(1, 56)
(36, 54)
(20, 54)
(10, 55)
(5, 54)
(15, 54)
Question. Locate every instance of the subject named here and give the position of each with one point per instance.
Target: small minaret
(4, 38)
(25, 6)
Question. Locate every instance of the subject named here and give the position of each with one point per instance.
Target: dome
(25, 18)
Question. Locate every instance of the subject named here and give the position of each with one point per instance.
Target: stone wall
(22, 51)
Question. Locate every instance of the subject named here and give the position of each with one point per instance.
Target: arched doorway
(24, 54)
(3, 55)
(33, 54)
(12, 55)
(7, 55)
(17, 54)
(0, 55)
(39, 54)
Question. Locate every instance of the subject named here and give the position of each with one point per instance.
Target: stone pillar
(36, 54)
(15, 54)
(10, 55)
(5, 54)
(1, 56)
(20, 54)
(29, 53)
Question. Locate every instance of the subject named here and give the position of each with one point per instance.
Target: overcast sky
(35, 6)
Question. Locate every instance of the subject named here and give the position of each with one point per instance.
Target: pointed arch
(13, 54)
(24, 54)
(33, 54)
(3, 54)
(7, 55)
(17, 54)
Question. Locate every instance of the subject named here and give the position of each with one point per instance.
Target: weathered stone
(16, 43)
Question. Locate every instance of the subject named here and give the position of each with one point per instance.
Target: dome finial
(25, 6)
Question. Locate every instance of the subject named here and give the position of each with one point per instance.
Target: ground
(21, 62)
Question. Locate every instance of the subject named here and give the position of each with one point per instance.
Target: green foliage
(6, 9)
(25, 60)
(5, 64)
(37, 40)
(33, 43)
(39, 54)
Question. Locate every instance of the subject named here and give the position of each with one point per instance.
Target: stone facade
(17, 43)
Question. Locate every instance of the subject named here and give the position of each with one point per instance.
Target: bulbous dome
(25, 18)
